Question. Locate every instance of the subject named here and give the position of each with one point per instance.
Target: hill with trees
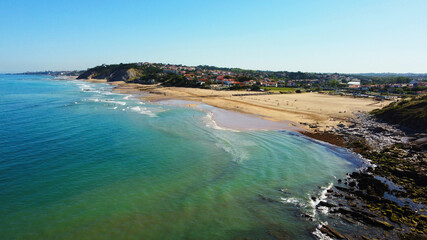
(136, 73)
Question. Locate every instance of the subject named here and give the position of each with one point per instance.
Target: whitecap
(211, 123)
(310, 206)
(321, 197)
(113, 101)
(321, 236)
(93, 99)
(291, 200)
(233, 145)
(143, 110)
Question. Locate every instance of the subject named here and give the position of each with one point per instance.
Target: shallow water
(80, 162)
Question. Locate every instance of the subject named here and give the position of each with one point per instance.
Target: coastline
(292, 112)
(388, 199)
(163, 151)
(345, 199)
(304, 111)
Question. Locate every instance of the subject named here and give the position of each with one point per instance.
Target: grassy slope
(279, 89)
(411, 113)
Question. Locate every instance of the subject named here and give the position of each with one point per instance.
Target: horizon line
(356, 73)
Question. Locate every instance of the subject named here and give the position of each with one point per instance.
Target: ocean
(78, 161)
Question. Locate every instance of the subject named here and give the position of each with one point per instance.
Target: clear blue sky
(306, 35)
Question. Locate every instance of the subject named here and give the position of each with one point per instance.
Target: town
(364, 85)
(380, 86)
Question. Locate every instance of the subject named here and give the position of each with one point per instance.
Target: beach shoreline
(311, 112)
(343, 123)
(290, 112)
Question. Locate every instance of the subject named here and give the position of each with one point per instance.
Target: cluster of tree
(300, 75)
(175, 80)
(140, 74)
(109, 71)
(276, 75)
(386, 80)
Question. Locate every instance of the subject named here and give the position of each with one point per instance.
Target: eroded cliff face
(86, 75)
(111, 76)
(125, 75)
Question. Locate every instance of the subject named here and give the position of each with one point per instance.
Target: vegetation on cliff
(136, 73)
(408, 113)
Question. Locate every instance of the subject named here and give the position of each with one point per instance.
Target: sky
(289, 35)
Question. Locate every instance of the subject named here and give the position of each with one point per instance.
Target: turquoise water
(80, 162)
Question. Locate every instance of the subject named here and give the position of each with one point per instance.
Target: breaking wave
(143, 110)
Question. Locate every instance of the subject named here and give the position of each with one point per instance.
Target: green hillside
(136, 73)
(409, 113)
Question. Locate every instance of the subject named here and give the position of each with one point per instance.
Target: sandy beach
(301, 109)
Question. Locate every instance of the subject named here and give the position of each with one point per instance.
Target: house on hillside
(269, 84)
(353, 84)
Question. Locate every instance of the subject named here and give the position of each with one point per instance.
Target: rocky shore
(387, 200)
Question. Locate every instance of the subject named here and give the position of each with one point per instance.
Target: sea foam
(143, 110)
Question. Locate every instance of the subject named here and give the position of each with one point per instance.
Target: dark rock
(347, 237)
(370, 184)
(326, 204)
(283, 191)
(364, 217)
(305, 215)
(420, 178)
(331, 232)
(378, 129)
(348, 220)
(343, 189)
(349, 197)
(412, 236)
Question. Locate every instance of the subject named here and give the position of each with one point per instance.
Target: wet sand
(308, 111)
(224, 119)
(297, 110)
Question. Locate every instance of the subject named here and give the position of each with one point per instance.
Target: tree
(255, 88)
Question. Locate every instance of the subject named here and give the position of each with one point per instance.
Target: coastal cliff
(136, 73)
(119, 72)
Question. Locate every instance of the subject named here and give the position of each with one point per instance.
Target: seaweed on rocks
(390, 197)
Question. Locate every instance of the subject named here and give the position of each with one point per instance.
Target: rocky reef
(387, 200)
